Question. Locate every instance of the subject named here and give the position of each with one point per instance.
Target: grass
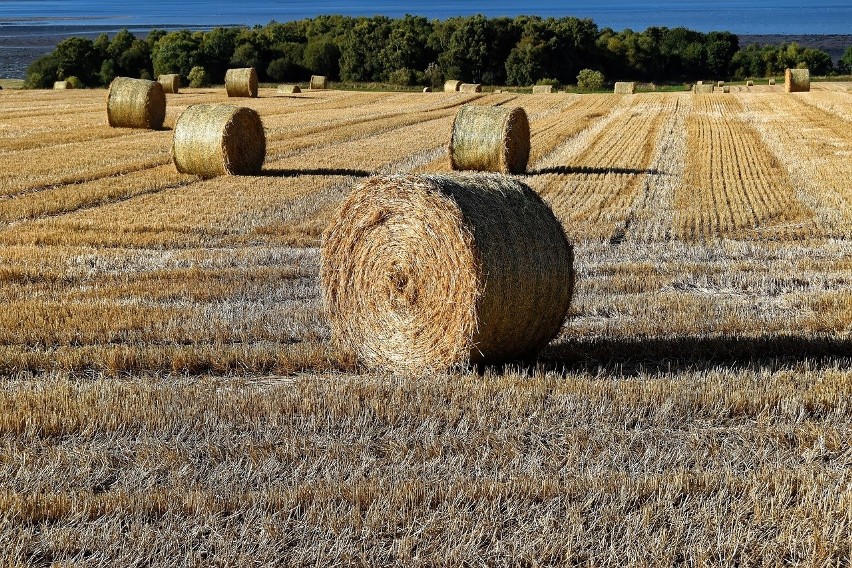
(169, 389)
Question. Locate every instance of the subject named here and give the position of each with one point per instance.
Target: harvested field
(168, 388)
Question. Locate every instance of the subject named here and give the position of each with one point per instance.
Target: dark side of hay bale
(542, 89)
(62, 85)
(797, 80)
(288, 89)
(425, 272)
(319, 82)
(219, 139)
(170, 82)
(470, 88)
(451, 86)
(136, 103)
(490, 139)
(241, 82)
(624, 88)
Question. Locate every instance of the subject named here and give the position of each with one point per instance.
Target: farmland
(170, 393)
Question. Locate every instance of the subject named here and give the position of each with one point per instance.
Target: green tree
(362, 48)
(844, 64)
(216, 50)
(590, 80)
(526, 61)
(176, 52)
(42, 72)
(322, 57)
(198, 77)
(76, 56)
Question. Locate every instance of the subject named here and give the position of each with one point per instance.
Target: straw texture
(241, 82)
(136, 103)
(490, 139)
(170, 82)
(749, 83)
(772, 81)
(624, 88)
(61, 85)
(701, 89)
(720, 84)
(425, 272)
(288, 89)
(319, 82)
(726, 89)
(218, 139)
(452, 86)
(470, 88)
(542, 89)
(797, 80)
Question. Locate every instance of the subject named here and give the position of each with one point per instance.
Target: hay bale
(170, 82)
(624, 88)
(797, 80)
(319, 82)
(217, 139)
(452, 86)
(288, 89)
(136, 103)
(749, 83)
(720, 83)
(427, 89)
(772, 81)
(490, 139)
(699, 83)
(425, 272)
(62, 85)
(542, 89)
(726, 89)
(702, 89)
(470, 88)
(241, 82)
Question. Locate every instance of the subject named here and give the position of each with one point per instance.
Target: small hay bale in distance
(241, 82)
(470, 88)
(703, 89)
(319, 82)
(136, 103)
(542, 89)
(749, 83)
(425, 272)
(772, 81)
(451, 86)
(170, 82)
(62, 85)
(699, 83)
(720, 84)
(219, 139)
(726, 89)
(288, 89)
(797, 80)
(490, 139)
(427, 89)
(624, 88)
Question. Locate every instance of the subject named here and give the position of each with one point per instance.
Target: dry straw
(749, 83)
(62, 85)
(772, 81)
(624, 88)
(542, 89)
(241, 82)
(288, 89)
(319, 82)
(720, 84)
(470, 88)
(490, 139)
(136, 103)
(425, 272)
(702, 89)
(170, 82)
(217, 139)
(452, 86)
(797, 80)
(726, 89)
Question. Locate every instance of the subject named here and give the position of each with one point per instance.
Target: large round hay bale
(451, 86)
(542, 89)
(424, 272)
(797, 80)
(470, 88)
(62, 85)
(217, 139)
(319, 82)
(136, 103)
(490, 139)
(288, 89)
(170, 82)
(624, 88)
(241, 82)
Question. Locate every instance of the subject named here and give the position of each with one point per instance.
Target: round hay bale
(424, 272)
(136, 103)
(749, 83)
(241, 82)
(319, 82)
(720, 83)
(542, 89)
(797, 80)
(624, 88)
(772, 81)
(726, 89)
(288, 89)
(170, 82)
(62, 85)
(427, 89)
(490, 139)
(219, 139)
(451, 86)
(470, 88)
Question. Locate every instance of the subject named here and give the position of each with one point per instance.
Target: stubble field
(170, 394)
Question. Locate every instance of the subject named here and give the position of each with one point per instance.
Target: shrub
(590, 80)
(198, 77)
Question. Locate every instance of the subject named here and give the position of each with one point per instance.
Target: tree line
(414, 50)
